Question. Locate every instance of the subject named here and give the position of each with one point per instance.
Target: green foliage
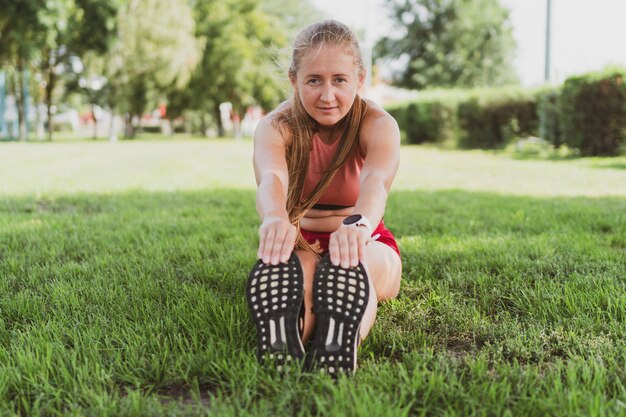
(491, 121)
(592, 112)
(157, 49)
(22, 31)
(586, 116)
(96, 20)
(236, 62)
(192, 54)
(431, 118)
(290, 15)
(90, 82)
(52, 36)
(450, 43)
(74, 27)
(481, 118)
(23, 34)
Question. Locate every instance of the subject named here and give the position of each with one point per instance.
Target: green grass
(123, 269)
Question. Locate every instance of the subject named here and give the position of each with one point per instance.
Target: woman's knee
(385, 270)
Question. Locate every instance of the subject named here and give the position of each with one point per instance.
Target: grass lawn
(123, 269)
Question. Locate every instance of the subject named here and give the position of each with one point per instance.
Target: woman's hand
(347, 245)
(277, 238)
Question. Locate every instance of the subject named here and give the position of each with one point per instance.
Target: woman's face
(327, 82)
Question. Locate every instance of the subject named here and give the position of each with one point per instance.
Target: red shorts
(385, 236)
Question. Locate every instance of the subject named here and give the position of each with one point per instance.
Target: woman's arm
(380, 141)
(277, 236)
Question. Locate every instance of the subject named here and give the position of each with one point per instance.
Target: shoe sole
(340, 296)
(275, 294)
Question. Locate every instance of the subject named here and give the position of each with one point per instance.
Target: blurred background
(540, 76)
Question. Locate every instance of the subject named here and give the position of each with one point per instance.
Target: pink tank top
(344, 188)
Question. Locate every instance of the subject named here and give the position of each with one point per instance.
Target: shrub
(429, 121)
(398, 112)
(430, 118)
(592, 112)
(151, 129)
(491, 119)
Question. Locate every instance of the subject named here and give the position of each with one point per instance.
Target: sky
(587, 35)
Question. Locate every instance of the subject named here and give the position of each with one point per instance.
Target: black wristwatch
(358, 220)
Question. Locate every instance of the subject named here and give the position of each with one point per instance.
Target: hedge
(430, 118)
(492, 118)
(481, 118)
(587, 113)
(592, 112)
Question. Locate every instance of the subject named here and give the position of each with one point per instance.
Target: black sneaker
(275, 298)
(340, 296)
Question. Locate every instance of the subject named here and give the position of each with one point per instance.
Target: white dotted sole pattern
(340, 296)
(275, 294)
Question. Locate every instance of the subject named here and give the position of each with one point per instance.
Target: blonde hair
(299, 126)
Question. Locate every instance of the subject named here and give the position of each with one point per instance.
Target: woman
(324, 163)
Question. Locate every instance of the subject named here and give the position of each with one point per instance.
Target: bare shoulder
(378, 123)
(270, 144)
(270, 128)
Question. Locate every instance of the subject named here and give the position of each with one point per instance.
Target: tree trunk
(218, 118)
(129, 129)
(13, 91)
(39, 122)
(95, 121)
(41, 131)
(48, 93)
(18, 85)
(48, 99)
(203, 125)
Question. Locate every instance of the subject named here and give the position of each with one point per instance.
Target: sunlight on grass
(61, 168)
(157, 165)
(424, 168)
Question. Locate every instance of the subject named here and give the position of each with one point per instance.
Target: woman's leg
(309, 262)
(384, 269)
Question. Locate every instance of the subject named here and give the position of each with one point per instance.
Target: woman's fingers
(333, 249)
(276, 241)
(345, 241)
(270, 236)
(288, 244)
(277, 248)
(347, 246)
(353, 250)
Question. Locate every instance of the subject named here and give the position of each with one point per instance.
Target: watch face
(352, 219)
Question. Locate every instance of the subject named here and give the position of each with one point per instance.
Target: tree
(49, 36)
(292, 15)
(450, 43)
(91, 83)
(236, 64)
(73, 29)
(157, 51)
(22, 34)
